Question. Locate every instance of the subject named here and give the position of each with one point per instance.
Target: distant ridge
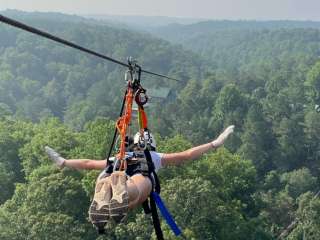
(146, 21)
(177, 32)
(56, 16)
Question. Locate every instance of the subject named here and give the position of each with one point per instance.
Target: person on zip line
(117, 193)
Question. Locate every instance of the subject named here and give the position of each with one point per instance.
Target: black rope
(33, 30)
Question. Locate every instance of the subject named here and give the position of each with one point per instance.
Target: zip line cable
(36, 31)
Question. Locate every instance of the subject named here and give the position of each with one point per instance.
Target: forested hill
(262, 77)
(40, 78)
(182, 32)
(231, 44)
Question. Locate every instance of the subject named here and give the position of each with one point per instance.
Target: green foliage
(230, 174)
(170, 145)
(258, 140)
(95, 140)
(43, 79)
(278, 201)
(291, 141)
(13, 135)
(313, 83)
(5, 110)
(312, 138)
(50, 206)
(6, 187)
(298, 182)
(309, 221)
(264, 81)
(49, 132)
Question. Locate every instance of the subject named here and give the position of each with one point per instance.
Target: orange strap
(143, 121)
(122, 126)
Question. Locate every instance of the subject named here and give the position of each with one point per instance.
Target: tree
(308, 215)
(230, 108)
(6, 187)
(258, 142)
(52, 205)
(312, 138)
(291, 141)
(313, 83)
(49, 132)
(298, 182)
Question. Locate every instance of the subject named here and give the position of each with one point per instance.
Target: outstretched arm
(75, 163)
(195, 152)
(88, 164)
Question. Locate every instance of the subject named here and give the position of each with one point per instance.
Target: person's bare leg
(139, 188)
(115, 195)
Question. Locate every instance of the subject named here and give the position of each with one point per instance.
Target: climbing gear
(155, 188)
(140, 96)
(122, 127)
(145, 140)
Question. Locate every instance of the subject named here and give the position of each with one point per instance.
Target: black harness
(142, 163)
(142, 160)
(156, 187)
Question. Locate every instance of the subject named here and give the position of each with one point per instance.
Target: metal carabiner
(140, 96)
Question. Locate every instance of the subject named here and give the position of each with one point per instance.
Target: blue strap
(165, 214)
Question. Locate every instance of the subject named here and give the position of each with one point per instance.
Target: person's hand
(222, 137)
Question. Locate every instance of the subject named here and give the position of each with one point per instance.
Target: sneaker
(120, 199)
(99, 208)
(54, 156)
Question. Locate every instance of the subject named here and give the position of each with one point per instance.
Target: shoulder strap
(152, 172)
(156, 187)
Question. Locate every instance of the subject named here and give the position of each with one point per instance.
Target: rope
(122, 126)
(115, 132)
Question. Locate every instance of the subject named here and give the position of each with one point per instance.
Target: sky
(212, 9)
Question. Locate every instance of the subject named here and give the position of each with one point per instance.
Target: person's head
(140, 141)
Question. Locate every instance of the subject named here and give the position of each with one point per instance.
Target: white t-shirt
(156, 159)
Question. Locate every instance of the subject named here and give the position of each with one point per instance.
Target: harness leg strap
(155, 219)
(146, 207)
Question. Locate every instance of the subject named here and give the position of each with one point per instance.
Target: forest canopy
(263, 78)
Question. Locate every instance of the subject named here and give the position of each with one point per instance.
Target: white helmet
(148, 138)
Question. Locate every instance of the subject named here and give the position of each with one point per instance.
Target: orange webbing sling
(122, 126)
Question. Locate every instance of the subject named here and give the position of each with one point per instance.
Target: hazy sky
(215, 9)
